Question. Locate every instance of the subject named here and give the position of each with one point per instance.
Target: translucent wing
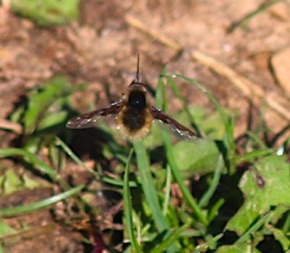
(178, 129)
(89, 119)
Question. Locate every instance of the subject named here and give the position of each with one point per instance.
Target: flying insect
(133, 115)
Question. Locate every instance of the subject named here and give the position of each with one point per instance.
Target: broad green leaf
(49, 12)
(200, 156)
(275, 171)
(52, 120)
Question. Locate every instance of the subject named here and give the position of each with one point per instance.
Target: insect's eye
(137, 99)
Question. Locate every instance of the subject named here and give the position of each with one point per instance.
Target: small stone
(261, 60)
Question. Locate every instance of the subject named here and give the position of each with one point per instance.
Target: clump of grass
(165, 209)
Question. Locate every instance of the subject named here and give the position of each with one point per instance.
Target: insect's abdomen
(134, 119)
(134, 124)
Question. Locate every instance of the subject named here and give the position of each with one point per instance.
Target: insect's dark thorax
(134, 116)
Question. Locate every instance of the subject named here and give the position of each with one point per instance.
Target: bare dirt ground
(102, 48)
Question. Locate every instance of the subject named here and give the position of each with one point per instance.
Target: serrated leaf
(275, 172)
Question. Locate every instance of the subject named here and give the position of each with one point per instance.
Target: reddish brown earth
(102, 47)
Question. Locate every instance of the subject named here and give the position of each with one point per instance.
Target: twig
(135, 23)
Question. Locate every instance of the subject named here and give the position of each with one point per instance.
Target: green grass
(240, 202)
(47, 13)
(245, 20)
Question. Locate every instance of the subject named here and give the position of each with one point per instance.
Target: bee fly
(133, 115)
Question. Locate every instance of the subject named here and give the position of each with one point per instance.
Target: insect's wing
(89, 119)
(177, 128)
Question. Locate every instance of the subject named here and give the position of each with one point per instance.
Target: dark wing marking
(174, 126)
(89, 119)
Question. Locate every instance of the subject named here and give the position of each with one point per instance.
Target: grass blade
(31, 158)
(16, 211)
(169, 240)
(78, 161)
(150, 191)
(255, 227)
(244, 21)
(148, 186)
(251, 156)
(160, 98)
(128, 207)
(213, 185)
(178, 94)
(178, 177)
(167, 190)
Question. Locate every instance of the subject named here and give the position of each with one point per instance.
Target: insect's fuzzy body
(135, 120)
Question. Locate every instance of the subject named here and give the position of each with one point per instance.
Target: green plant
(239, 204)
